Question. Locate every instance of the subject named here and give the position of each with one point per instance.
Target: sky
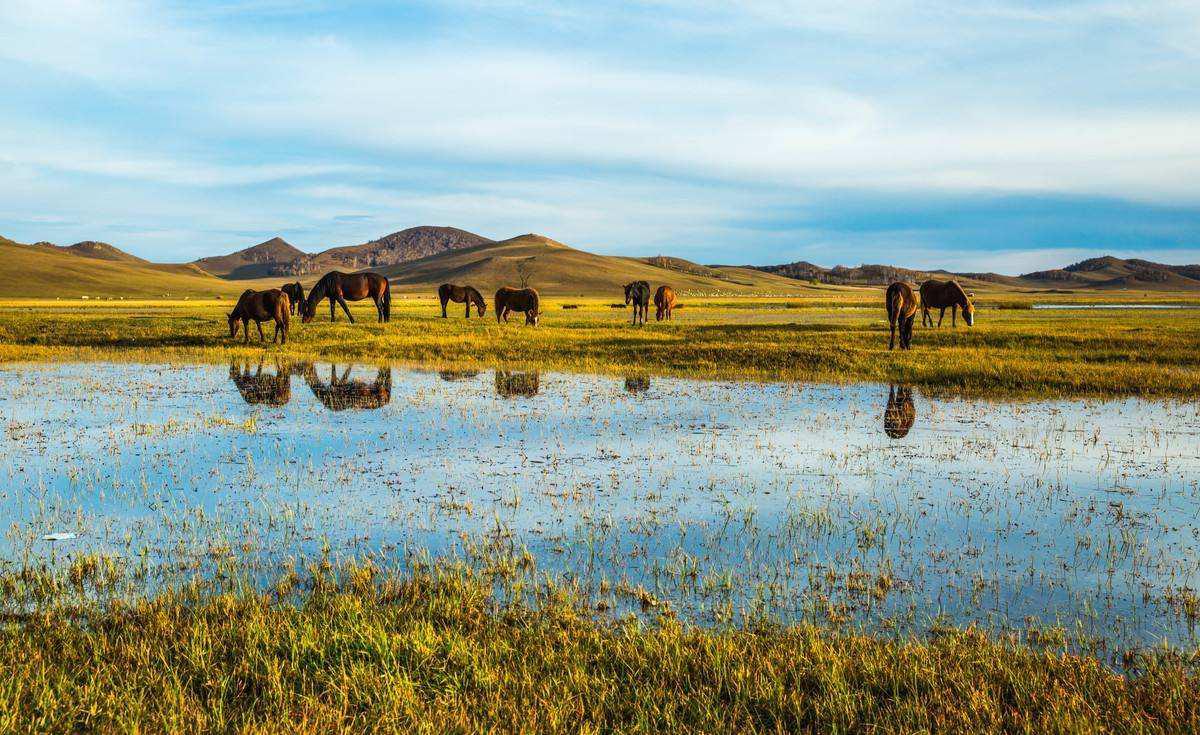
(983, 135)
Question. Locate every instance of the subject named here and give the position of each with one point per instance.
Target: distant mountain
(398, 247)
(259, 261)
(1102, 272)
(43, 270)
(1110, 272)
(277, 258)
(558, 269)
(94, 249)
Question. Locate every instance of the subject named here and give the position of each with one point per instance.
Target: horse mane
(958, 290)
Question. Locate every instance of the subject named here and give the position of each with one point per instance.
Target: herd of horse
(280, 304)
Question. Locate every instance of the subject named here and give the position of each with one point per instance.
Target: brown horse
(342, 392)
(664, 302)
(255, 387)
(258, 307)
(900, 414)
(510, 299)
(517, 384)
(295, 294)
(338, 287)
(638, 293)
(468, 295)
(942, 294)
(901, 310)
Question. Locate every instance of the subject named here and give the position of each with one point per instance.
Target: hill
(276, 258)
(41, 271)
(1105, 272)
(1108, 272)
(93, 249)
(555, 268)
(262, 260)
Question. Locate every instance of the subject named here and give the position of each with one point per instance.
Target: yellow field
(1011, 350)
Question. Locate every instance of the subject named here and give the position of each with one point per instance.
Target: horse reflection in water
(343, 392)
(256, 387)
(452, 376)
(517, 384)
(900, 414)
(636, 384)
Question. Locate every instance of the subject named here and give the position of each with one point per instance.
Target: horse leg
(261, 337)
(332, 315)
(954, 315)
(346, 309)
(245, 331)
(467, 308)
(443, 307)
(892, 338)
(941, 316)
(906, 331)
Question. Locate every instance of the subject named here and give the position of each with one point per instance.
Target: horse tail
(387, 299)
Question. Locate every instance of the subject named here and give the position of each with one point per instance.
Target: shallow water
(862, 503)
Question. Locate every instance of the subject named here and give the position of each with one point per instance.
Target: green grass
(1009, 351)
(433, 651)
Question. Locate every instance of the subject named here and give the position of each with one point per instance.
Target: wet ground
(869, 504)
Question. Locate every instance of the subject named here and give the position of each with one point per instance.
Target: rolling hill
(264, 259)
(276, 258)
(49, 271)
(558, 269)
(1105, 272)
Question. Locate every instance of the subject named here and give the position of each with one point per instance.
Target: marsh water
(871, 505)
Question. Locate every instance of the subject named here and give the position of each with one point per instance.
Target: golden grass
(435, 652)
(1011, 350)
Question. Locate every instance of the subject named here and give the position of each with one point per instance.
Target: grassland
(840, 337)
(434, 651)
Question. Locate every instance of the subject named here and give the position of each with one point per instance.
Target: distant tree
(525, 271)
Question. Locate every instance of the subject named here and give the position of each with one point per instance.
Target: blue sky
(988, 135)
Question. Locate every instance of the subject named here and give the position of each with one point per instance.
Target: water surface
(870, 504)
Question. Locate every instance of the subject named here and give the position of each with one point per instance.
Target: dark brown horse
(258, 307)
(664, 302)
(937, 294)
(468, 295)
(510, 299)
(902, 310)
(339, 287)
(517, 384)
(900, 414)
(638, 293)
(295, 294)
(258, 388)
(342, 392)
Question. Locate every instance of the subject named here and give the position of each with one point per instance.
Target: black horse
(295, 293)
(638, 293)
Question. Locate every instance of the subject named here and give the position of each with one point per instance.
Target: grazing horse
(255, 387)
(900, 414)
(638, 293)
(341, 393)
(510, 299)
(295, 294)
(517, 384)
(901, 310)
(468, 295)
(338, 287)
(941, 294)
(664, 302)
(258, 307)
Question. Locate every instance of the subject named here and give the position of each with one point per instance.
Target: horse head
(233, 324)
